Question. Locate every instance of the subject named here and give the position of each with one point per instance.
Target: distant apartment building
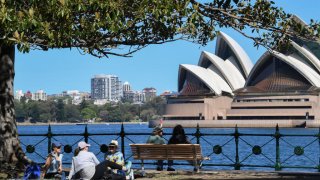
(106, 87)
(64, 93)
(76, 96)
(40, 95)
(128, 96)
(134, 96)
(85, 95)
(126, 87)
(149, 93)
(18, 95)
(128, 93)
(28, 95)
(139, 97)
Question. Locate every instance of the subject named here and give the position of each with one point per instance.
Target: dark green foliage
(60, 111)
(83, 104)
(55, 110)
(99, 27)
(72, 113)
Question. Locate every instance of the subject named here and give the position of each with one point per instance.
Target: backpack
(32, 172)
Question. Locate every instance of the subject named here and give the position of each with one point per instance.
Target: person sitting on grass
(86, 165)
(156, 138)
(53, 165)
(116, 156)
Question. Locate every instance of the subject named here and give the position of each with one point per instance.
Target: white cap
(113, 143)
(83, 144)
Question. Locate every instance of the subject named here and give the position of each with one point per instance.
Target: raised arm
(46, 166)
(60, 164)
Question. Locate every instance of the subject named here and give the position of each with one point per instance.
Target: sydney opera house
(225, 88)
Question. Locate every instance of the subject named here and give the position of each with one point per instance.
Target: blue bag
(32, 172)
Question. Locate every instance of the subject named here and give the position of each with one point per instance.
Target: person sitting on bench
(178, 137)
(156, 138)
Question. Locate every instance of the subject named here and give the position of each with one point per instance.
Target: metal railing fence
(235, 150)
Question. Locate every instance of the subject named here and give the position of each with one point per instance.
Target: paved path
(232, 174)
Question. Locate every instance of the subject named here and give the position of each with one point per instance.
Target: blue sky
(155, 66)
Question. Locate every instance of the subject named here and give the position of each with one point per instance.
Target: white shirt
(84, 159)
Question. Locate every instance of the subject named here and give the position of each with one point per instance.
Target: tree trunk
(10, 150)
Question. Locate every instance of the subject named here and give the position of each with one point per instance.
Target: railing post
(122, 135)
(198, 134)
(49, 135)
(236, 138)
(86, 134)
(277, 135)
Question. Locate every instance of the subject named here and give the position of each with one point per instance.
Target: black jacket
(179, 139)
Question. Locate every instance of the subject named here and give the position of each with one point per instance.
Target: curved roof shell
(227, 69)
(306, 47)
(213, 80)
(226, 47)
(293, 61)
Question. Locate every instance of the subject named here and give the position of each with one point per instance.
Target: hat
(157, 129)
(113, 143)
(83, 144)
(56, 144)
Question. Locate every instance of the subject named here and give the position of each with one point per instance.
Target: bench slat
(166, 152)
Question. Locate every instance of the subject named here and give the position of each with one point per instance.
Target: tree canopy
(122, 27)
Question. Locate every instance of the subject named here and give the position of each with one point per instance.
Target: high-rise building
(106, 87)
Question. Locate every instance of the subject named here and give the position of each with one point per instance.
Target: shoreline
(237, 123)
(66, 123)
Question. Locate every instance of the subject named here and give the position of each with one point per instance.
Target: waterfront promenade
(229, 174)
(219, 174)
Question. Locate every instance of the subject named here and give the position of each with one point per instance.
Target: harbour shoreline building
(106, 88)
(136, 97)
(225, 89)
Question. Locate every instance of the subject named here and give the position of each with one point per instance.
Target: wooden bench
(191, 152)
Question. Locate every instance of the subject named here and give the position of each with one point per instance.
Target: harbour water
(211, 137)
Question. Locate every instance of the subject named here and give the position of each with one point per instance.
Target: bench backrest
(166, 151)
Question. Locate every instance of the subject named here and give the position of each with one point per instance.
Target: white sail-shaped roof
(226, 71)
(296, 63)
(307, 54)
(213, 81)
(230, 73)
(306, 71)
(241, 56)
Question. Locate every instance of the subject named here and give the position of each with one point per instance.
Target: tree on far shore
(120, 28)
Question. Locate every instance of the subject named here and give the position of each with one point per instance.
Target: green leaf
(31, 12)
